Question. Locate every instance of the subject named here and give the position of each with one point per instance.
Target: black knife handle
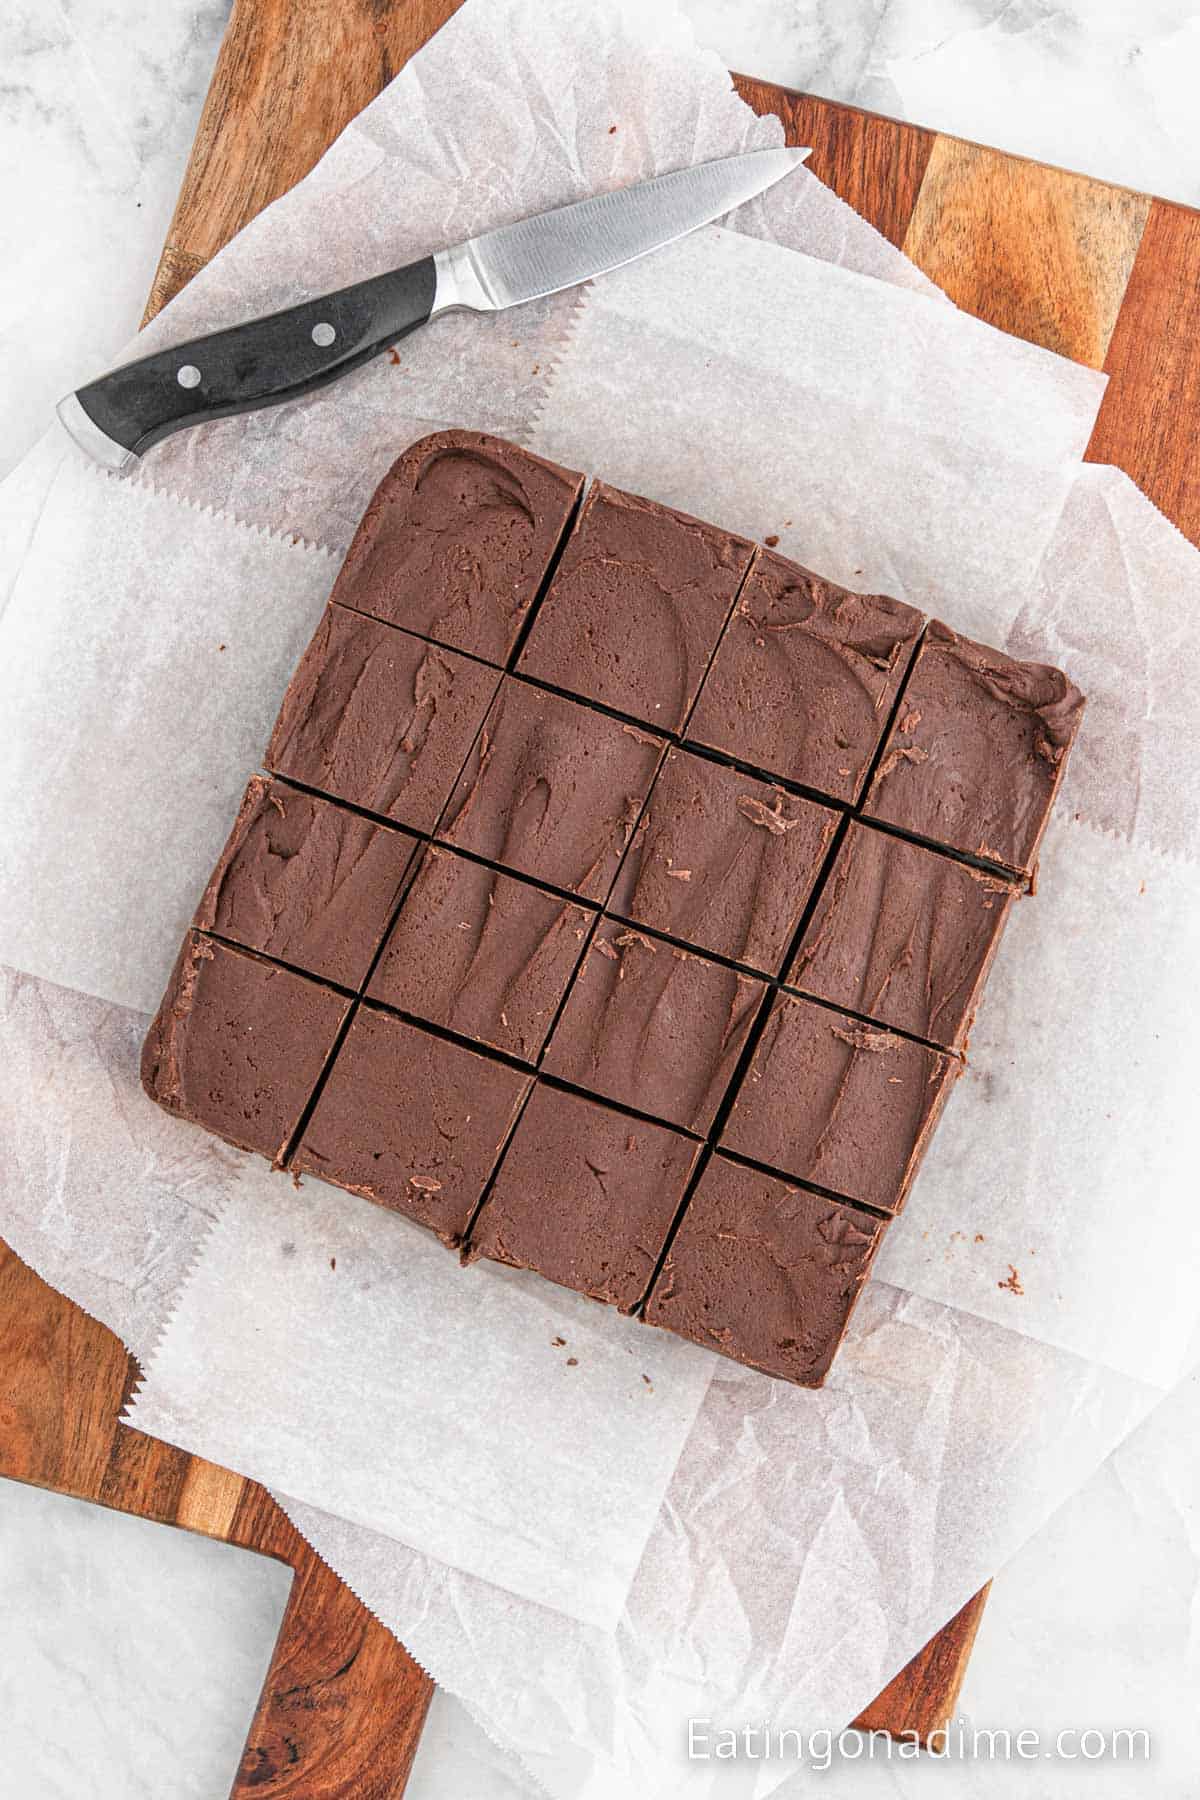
(267, 360)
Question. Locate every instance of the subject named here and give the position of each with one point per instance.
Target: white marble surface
(1089, 1629)
(131, 1655)
(98, 104)
(99, 101)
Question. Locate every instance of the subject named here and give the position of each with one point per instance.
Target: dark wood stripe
(1041, 253)
(343, 1704)
(1149, 423)
(873, 163)
(923, 1696)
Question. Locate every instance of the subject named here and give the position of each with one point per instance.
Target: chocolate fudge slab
(653, 1027)
(380, 718)
(481, 953)
(764, 1273)
(238, 1044)
(636, 606)
(411, 1121)
(585, 1197)
(805, 676)
(840, 1104)
(723, 861)
(978, 750)
(904, 935)
(306, 881)
(456, 540)
(552, 790)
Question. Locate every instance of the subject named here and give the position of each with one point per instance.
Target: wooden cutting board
(1098, 273)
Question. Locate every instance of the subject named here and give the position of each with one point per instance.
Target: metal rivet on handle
(323, 335)
(188, 376)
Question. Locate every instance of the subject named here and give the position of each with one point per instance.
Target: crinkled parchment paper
(806, 1544)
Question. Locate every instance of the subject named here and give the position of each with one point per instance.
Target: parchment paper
(507, 1427)
(808, 1543)
(807, 1547)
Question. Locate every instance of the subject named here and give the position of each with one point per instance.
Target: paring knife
(289, 353)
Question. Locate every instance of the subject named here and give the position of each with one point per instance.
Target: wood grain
(880, 167)
(1039, 252)
(240, 163)
(342, 1708)
(290, 75)
(1149, 422)
(922, 1698)
(875, 164)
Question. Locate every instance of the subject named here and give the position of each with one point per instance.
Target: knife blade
(286, 354)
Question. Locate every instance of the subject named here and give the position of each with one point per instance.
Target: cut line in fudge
(460, 854)
(239, 1043)
(805, 677)
(553, 789)
(653, 1026)
(637, 607)
(976, 755)
(459, 540)
(307, 882)
(763, 1272)
(482, 952)
(723, 862)
(380, 718)
(519, 1065)
(839, 1105)
(573, 1170)
(884, 1214)
(902, 935)
(390, 1122)
(759, 1023)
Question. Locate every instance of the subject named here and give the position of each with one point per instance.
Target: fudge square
(765, 1273)
(839, 1104)
(238, 1044)
(552, 789)
(411, 1121)
(978, 750)
(804, 678)
(723, 861)
(380, 718)
(585, 1196)
(481, 953)
(653, 1027)
(904, 935)
(457, 539)
(636, 606)
(306, 881)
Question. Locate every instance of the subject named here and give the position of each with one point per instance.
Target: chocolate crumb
(771, 541)
(572, 1362)
(759, 814)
